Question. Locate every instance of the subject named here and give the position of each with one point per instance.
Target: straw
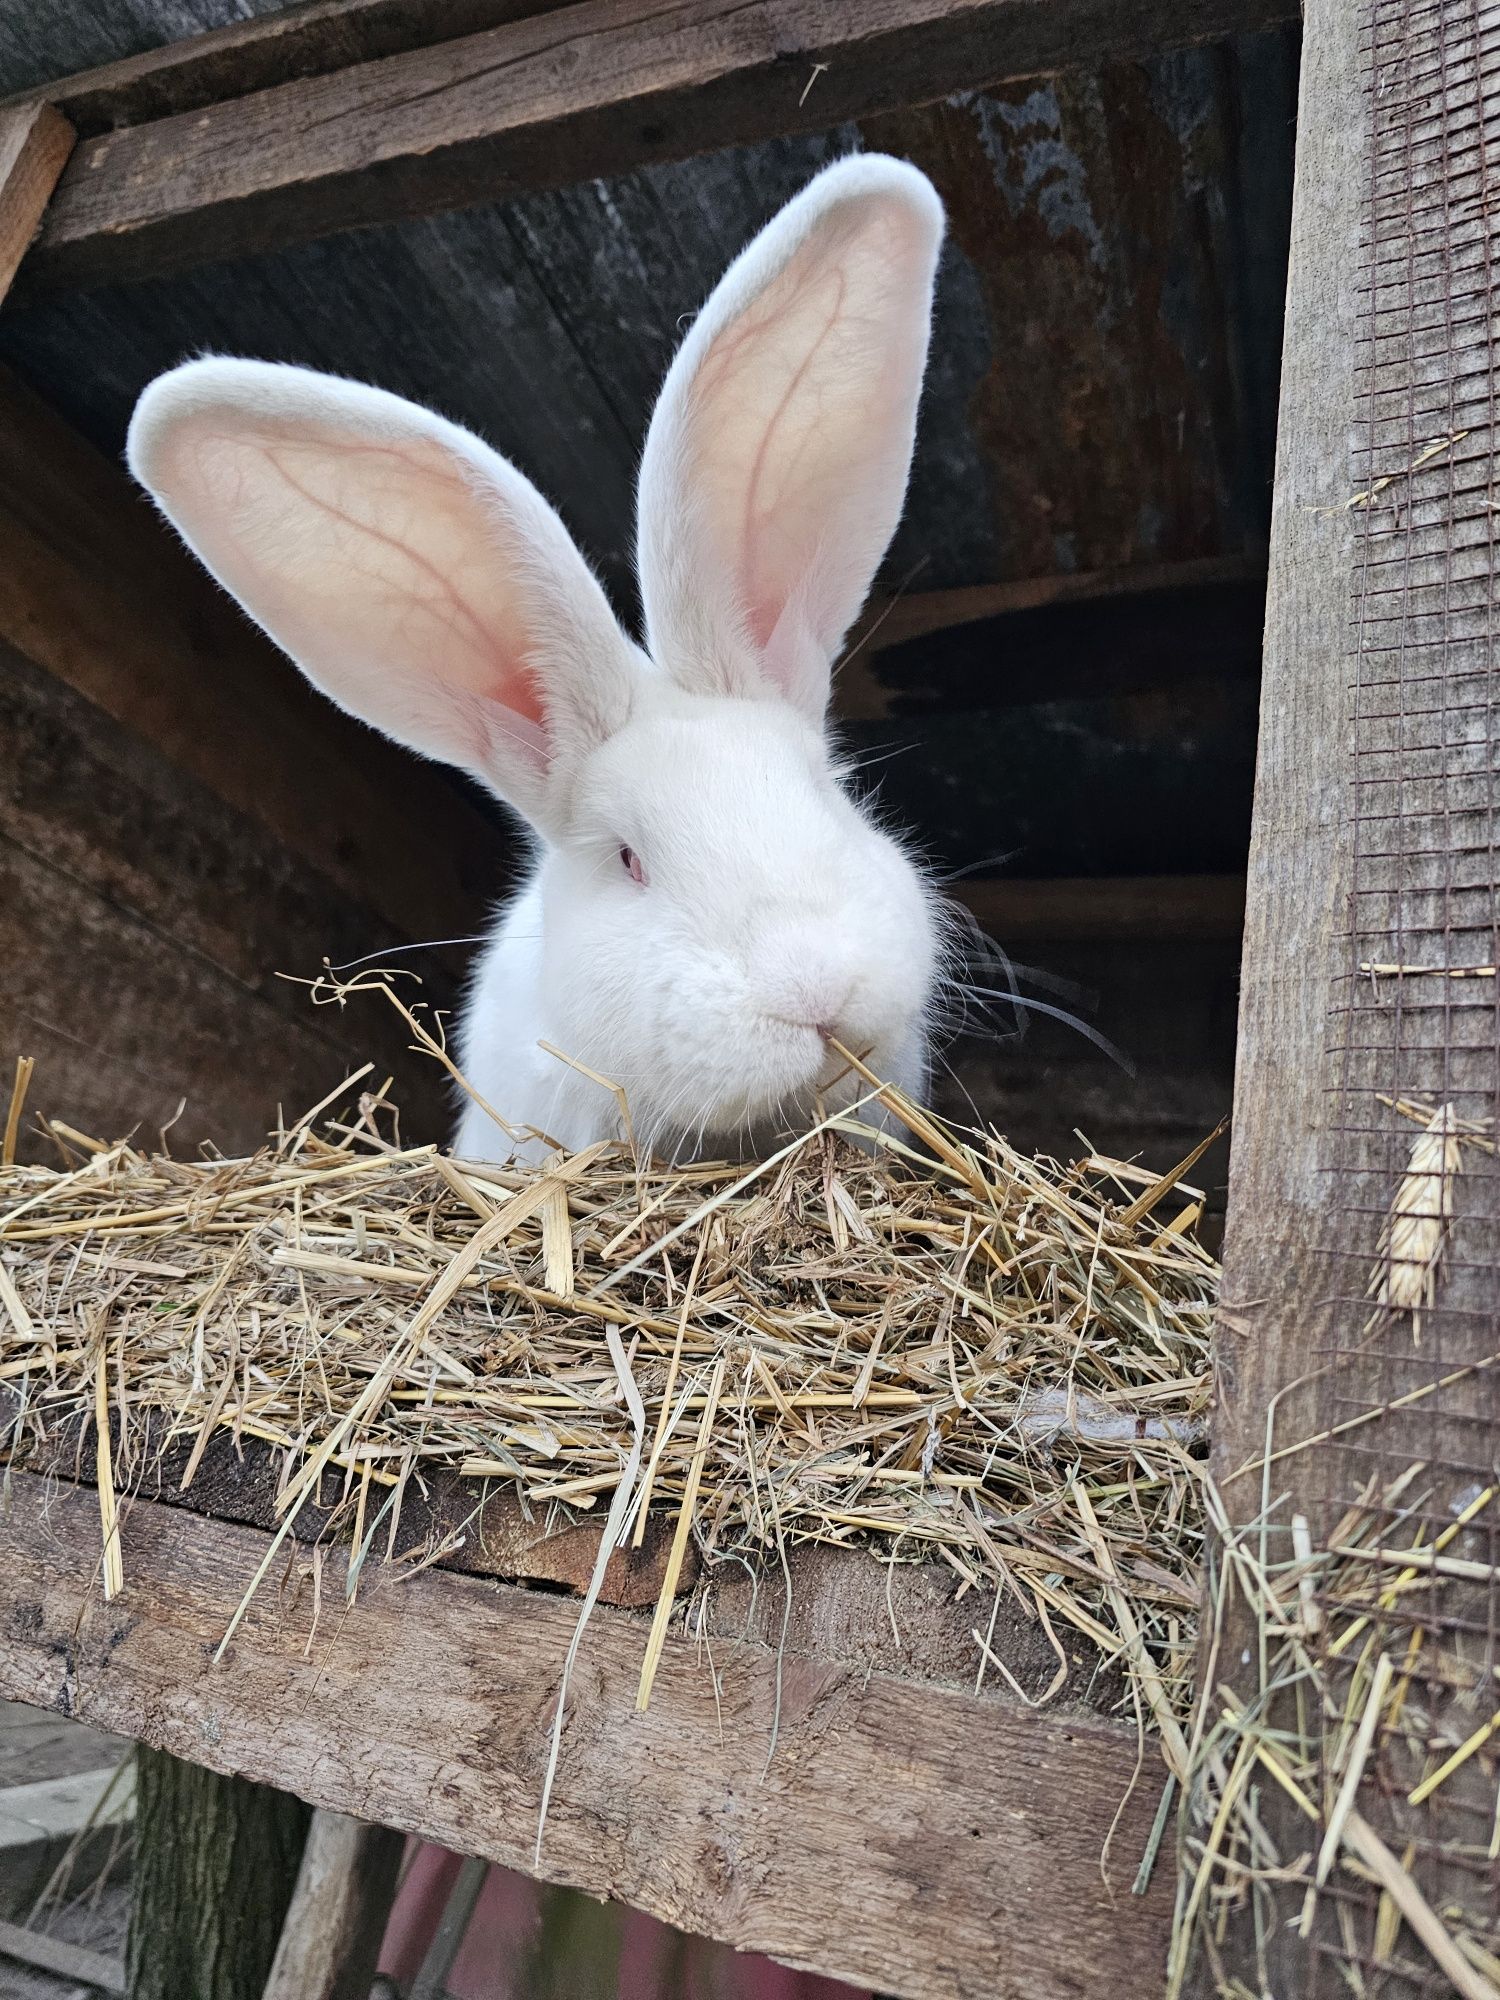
(973, 1358)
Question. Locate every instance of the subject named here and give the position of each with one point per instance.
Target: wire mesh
(1416, 1015)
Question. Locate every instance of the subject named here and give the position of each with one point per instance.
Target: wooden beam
(1106, 906)
(853, 1611)
(97, 591)
(889, 621)
(243, 56)
(596, 88)
(1147, 631)
(35, 141)
(917, 1838)
(123, 876)
(89, 1969)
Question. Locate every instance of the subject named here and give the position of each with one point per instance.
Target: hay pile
(1337, 1717)
(981, 1357)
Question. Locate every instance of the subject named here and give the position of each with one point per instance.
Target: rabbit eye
(630, 861)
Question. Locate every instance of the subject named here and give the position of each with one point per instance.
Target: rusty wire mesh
(1416, 1018)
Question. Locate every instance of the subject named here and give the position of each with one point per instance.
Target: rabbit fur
(707, 905)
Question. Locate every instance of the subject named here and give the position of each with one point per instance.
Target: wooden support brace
(330, 1939)
(35, 141)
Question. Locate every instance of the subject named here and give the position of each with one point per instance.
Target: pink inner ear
(479, 617)
(517, 691)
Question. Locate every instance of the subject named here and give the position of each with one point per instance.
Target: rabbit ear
(777, 459)
(412, 574)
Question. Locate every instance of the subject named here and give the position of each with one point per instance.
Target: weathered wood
(479, 1529)
(1297, 893)
(216, 1858)
(124, 1027)
(1172, 645)
(593, 89)
(299, 40)
(330, 1940)
(82, 794)
(965, 1831)
(843, 1607)
(35, 141)
(96, 590)
(1106, 906)
(894, 621)
(1131, 435)
(1273, 1315)
(153, 936)
(91, 1969)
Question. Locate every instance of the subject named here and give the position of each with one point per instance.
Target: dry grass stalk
(1319, 1725)
(24, 1068)
(1420, 1213)
(929, 1357)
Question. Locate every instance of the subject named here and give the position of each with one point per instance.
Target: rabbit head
(713, 907)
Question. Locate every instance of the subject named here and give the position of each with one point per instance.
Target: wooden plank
(1296, 901)
(1171, 647)
(294, 41)
(125, 1026)
(90, 1969)
(965, 1831)
(118, 846)
(843, 1606)
(35, 141)
(1106, 906)
(894, 621)
(96, 590)
(593, 89)
(330, 1937)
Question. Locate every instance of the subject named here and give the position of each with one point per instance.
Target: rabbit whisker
(1100, 1042)
(398, 950)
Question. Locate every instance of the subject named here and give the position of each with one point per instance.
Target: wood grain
(592, 89)
(35, 141)
(1106, 906)
(294, 41)
(907, 1620)
(147, 932)
(130, 1030)
(894, 621)
(89, 1969)
(330, 1938)
(964, 1831)
(1274, 1311)
(1297, 892)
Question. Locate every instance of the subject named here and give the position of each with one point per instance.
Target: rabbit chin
(762, 1088)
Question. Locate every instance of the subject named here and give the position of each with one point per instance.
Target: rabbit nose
(815, 997)
(826, 1003)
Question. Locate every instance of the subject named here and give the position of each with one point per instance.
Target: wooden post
(215, 1861)
(330, 1940)
(35, 141)
(1300, 847)
(1368, 1016)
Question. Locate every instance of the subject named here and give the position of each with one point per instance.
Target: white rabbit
(708, 905)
